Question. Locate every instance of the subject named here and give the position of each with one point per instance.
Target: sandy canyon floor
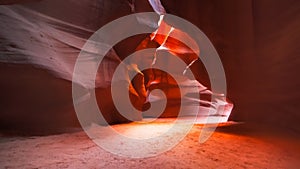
(230, 146)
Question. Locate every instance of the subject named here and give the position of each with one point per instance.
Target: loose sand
(234, 146)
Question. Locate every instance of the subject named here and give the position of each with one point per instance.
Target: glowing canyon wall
(257, 40)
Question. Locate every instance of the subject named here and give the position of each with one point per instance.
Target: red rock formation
(258, 42)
